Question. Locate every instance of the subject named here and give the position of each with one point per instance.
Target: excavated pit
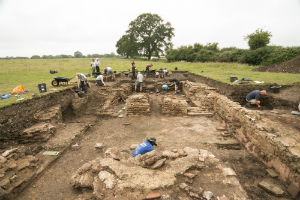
(228, 149)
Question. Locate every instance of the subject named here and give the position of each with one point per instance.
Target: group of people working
(252, 97)
(161, 73)
(95, 65)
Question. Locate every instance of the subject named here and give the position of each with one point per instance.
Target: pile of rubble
(52, 114)
(174, 106)
(45, 128)
(40, 132)
(16, 168)
(110, 177)
(138, 104)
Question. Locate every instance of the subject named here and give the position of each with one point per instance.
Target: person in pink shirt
(148, 68)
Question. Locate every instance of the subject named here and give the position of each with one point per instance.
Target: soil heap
(290, 66)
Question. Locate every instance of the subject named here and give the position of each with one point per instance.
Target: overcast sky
(44, 27)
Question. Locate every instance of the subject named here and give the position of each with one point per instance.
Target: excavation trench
(215, 133)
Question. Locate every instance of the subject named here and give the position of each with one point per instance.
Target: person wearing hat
(145, 147)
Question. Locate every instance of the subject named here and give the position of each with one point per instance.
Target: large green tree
(127, 46)
(258, 39)
(78, 54)
(152, 35)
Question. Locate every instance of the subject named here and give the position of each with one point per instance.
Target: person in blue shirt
(145, 147)
(165, 87)
(253, 97)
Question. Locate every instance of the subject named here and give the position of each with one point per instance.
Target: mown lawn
(32, 72)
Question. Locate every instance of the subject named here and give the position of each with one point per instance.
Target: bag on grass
(18, 89)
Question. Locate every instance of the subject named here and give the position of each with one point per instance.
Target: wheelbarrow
(59, 80)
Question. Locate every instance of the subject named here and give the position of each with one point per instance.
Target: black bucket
(232, 79)
(275, 89)
(42, 87)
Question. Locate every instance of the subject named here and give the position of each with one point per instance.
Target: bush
(279, 54)
(255, 57)
(210, 53)
(206, 56)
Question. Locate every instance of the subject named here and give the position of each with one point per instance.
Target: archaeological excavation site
(210, 145)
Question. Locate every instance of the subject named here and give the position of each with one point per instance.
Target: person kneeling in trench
(253, 97)
(145, 147)
(165, 87)
(99, 80)
(175, 82)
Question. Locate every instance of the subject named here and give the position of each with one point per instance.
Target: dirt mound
(291, 66)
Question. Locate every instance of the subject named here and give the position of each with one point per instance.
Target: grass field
(32, 72)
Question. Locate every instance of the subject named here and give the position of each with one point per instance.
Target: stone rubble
(40, 132)
(133, 146)
(13, 164)
(271, 187)
(154, 195)
(145, 173)
(99, 146)
(108, 179)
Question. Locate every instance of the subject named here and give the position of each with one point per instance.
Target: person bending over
(145, 147)
(175, 82)
(253, 97)
(99, 80)
(82, 82)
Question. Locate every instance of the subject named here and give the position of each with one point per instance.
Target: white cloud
(92, 26)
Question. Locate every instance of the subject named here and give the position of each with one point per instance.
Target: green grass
(32, 72)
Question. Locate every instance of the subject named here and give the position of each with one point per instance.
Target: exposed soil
(96, 118)
(289, 93)
(291, 66)
(197, 132)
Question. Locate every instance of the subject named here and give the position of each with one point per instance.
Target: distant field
(31, 72)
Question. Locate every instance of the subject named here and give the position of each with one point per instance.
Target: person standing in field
(133, 68)
(97, 64)
(93, 66)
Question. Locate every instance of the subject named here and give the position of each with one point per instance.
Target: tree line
(259, 53)
(205, 53)
(149, 36)
(77, 54)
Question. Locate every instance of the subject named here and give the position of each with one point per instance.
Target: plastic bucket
(275, 89)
